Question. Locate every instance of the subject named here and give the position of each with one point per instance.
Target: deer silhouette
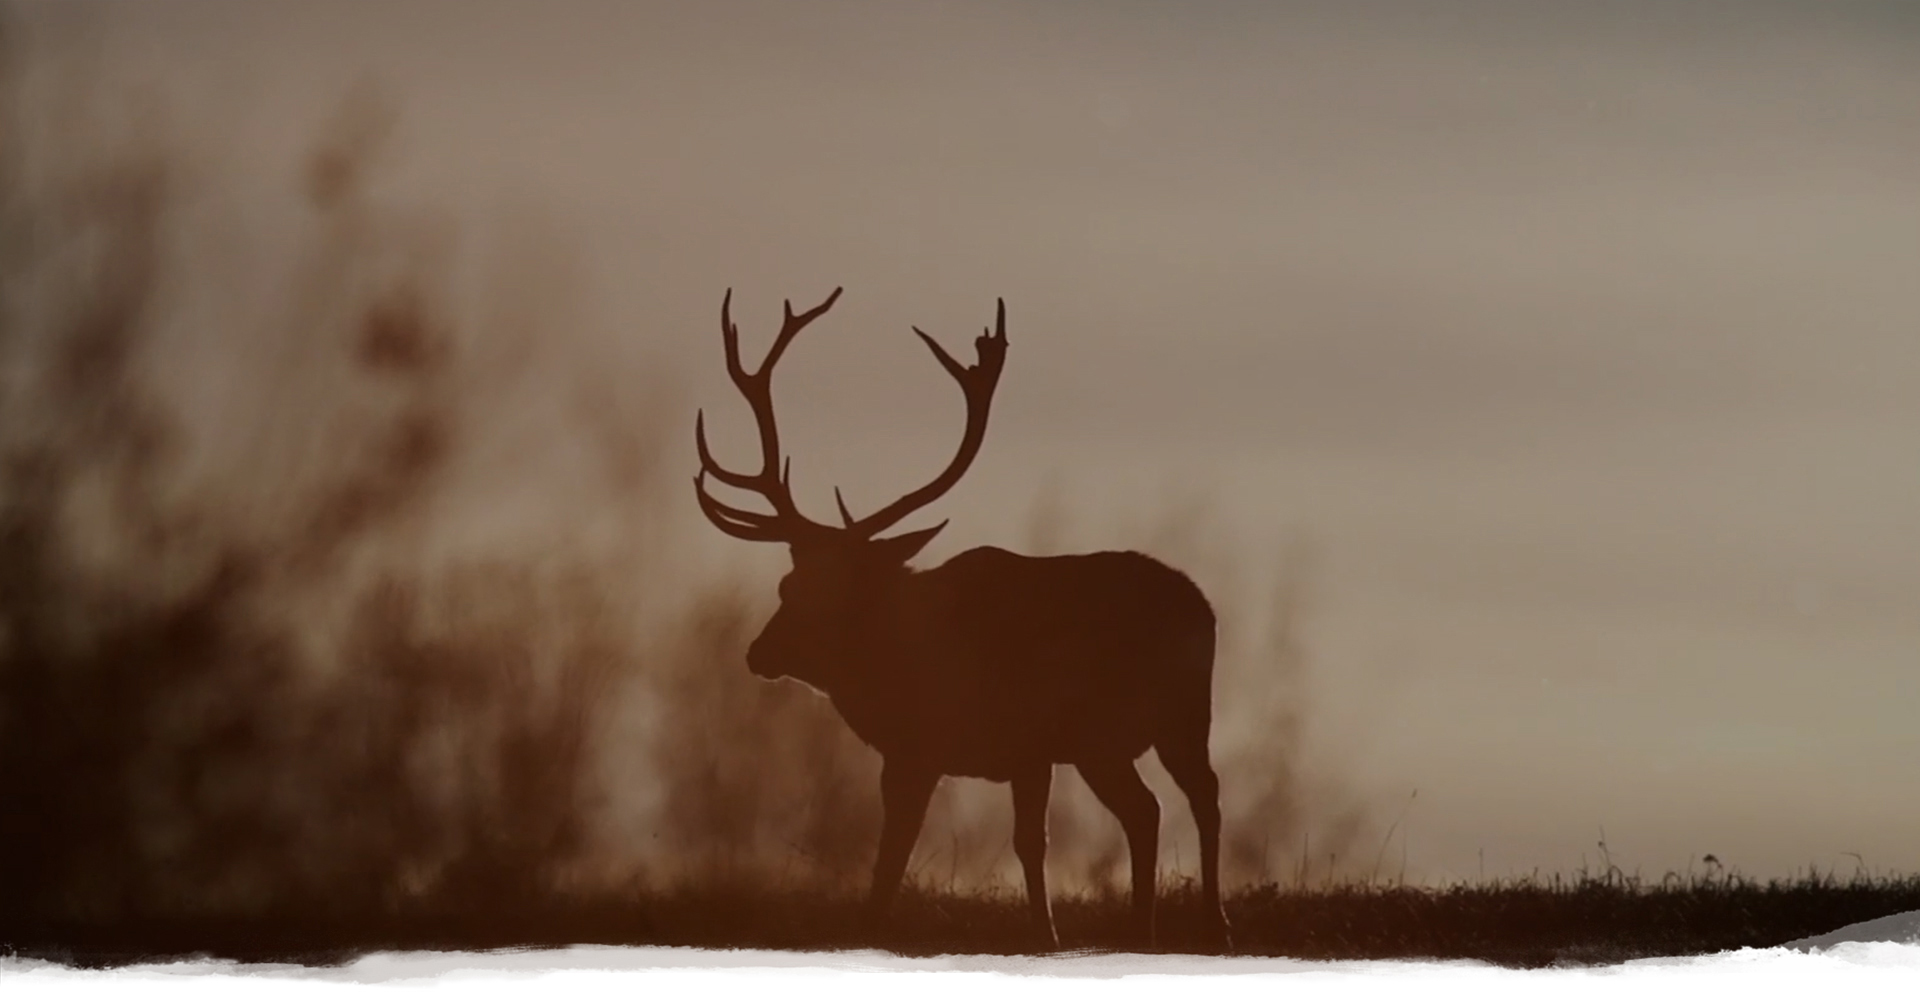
(992, 665)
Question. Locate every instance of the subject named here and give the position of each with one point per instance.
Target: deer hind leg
(905, 791)
(1186, 761)
(1031, 789)
(1118, 786)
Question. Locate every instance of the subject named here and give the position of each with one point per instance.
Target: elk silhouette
(993, 665)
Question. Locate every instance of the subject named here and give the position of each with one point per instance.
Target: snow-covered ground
(1900, 928)
(1875, 958)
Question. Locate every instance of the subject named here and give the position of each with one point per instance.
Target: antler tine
(773, 481)
(791, 325)
(744, 524)
(977, 383)
(730, 338)
(708, 463)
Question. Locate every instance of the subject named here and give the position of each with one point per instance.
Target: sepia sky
(1578, 340)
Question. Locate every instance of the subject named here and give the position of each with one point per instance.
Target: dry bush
(167, 744)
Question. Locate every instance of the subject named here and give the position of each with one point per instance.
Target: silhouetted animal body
(993, 665)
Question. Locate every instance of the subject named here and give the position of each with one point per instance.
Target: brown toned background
(1563, 353)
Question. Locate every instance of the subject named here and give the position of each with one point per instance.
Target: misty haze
(1529, 387)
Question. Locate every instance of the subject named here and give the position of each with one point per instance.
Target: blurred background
(1529, 384)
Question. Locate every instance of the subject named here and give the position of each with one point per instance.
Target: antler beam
(977, 382)
(774, 480)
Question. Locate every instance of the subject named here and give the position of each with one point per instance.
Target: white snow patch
(1900, 928)
(1853, 967)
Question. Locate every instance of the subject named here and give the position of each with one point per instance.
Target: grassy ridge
(1519, 922)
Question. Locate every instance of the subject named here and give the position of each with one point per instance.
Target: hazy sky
(1578, 338)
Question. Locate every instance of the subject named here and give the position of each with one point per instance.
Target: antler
(977, 382)
(773, 481)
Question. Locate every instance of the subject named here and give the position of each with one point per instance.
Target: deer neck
(873, 692)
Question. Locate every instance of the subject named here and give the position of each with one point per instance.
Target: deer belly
(992, 733)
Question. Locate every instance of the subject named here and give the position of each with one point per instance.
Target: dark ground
(1526, 923)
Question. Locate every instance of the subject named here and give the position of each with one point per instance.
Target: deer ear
(901, 548)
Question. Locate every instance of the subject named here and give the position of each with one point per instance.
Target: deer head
(832, 600)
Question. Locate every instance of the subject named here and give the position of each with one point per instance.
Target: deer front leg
(1030, 792)
(905, 790)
